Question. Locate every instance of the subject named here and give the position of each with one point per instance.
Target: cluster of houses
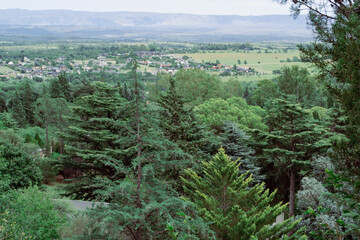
(153, 63)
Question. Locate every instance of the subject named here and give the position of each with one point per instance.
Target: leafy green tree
(266, 90)
(21, 166)
(38, 140)
(55, 89)
(291, 142)
(4, 178)
(334, 56)
(236, 210)
(232, 88)
(7, 121)
(45, 112)
(65, 87)
(215, 111)
(298, 83)
(33, 216)
(51, 112)
(197, 86)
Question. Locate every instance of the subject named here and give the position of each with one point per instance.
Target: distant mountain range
(151, 26)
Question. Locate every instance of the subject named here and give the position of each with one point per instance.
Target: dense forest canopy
(184, 141)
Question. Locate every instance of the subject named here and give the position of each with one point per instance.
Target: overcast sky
(226, 7)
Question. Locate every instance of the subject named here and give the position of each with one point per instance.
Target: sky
(217, 7)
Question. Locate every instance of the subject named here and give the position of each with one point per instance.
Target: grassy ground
(263, 63)
(5, 70)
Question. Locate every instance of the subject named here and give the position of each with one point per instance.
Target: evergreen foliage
(297, 84)
(60, 88)
(3, 107)
(18, 111)
(236, 145)
(29, 214)
(7, 121)
(143, 201)
(178, 122)
(93, 147)
(28, 99)
(234, 209)
(293, 139)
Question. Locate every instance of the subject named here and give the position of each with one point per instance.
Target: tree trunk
(292, 194)
(61, 131)
(48, 151)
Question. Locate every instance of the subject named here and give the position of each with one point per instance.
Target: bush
(21, 167)
(76, 227)
(30, 213)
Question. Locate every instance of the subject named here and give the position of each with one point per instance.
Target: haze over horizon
(203, 7)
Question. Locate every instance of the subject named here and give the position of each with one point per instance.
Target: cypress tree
(236, 210)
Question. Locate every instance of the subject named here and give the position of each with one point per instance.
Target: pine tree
(3, 107)
(50, 112)
(45, 113)
(65, 87)
(28, 100)
(54, 89)
(17, 110)
(236, 145)
(293, 139)
(178, 122)
(335, 54)
(236, 210)
(60, 88)
(93, 147)
(143, 201)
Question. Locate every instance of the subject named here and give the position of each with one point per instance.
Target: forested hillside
(170, 146)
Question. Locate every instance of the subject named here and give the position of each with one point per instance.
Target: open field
(262, 62)
(5, 70)
(252, 57)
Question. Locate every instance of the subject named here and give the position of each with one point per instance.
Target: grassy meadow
(262, 62)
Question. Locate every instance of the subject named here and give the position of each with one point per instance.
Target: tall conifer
(92, 146)
(236, 145)
(291, 142)
(143, 202)
(234, 209)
